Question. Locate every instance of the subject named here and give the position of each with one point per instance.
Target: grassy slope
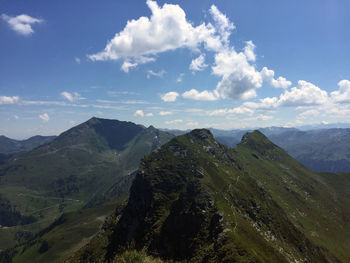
(71, 231)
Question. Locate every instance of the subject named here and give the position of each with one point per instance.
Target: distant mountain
(176, 132)
(11, 146)
(322, 126)
(195, 200)
(87, 165)
(326, 150)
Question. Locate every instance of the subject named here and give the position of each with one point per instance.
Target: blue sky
(173, 64)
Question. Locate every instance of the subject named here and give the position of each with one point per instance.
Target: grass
(73, 231)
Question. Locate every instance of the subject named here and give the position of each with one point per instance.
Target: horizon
(240, 65)
(320, 126)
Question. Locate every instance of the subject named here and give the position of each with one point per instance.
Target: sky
(173, 64)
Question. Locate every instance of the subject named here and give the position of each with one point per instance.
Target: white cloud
(234, 111)
(198, 64)
(192, 124)
(71, 96)
(309, 113)
(127, 65)
(339, 111)
(22, 24)
(280, 82)
(139, 113)
(166, 29)
(15, 117)
(45, 117)
(239, 78)
(9, 100)
(205, 95)
(263, 117)
(170, 96)
(222, 23)
(165, 113)
(179, 78)
(263, 104)
(156, 74)
(77, 60)
(342, 95)
(307, 94)
(174, 122)
(249, 51)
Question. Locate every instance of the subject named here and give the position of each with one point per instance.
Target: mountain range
(191, 199)
(10, 146)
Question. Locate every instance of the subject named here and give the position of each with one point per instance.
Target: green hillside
(194, 200)
(87, 165)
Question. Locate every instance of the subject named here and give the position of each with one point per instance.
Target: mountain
(85, 166)
(11, 146)
(195, 200)
(321, 150)
(325, 150)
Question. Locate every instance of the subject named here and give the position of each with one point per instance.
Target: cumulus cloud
(165, 113)
(155, 74)
(71, 96)
(239, 78)
(224, 25)
(280, 82)
(342, 95)
(308, 114)
(166, 29)
(44, 117)
(262, 117)
(174, 122)
(307, 94)
(234, 111)
(198, 64)
(22, 24)
(249, 51)
(139, 113)
(170, 96)
(205, 95)
(263, 104)
(127, 65)
(9, 100)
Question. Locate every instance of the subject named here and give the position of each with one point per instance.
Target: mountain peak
(202, 134)
(260, 143)
(254, 136)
